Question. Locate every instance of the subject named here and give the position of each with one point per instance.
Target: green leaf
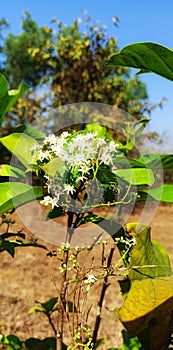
(56, 212)
(8, 98)
(101, 130)
(126, 162)
(35, 309)
(11, 340)
(38, 344)
(30, 131)
(109, 226)
(130, 343)
(20, 145)
(157, 161)
(12, 195)
(130, 162)
(8, 246)
(147, 258)
(47, 307)
(30, 243)
(105, 176)
(99, 342)
(11, 171)
(147, 56)
(11, 234)
(136, 176)
(162, 193)
(56, 165)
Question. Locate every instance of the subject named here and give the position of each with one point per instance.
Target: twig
(62, 304)
(102, 295)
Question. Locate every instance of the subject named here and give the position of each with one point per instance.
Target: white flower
(84, 169)
(49, 200)
(101, 142)
(76, 159)
(64, 135)
(106, 158)
(81, 178)
(113, 146)
(91, 279)
(61, 153)
(51, 139)
(69, 189)
(45, 154)
(46, 201)
(54, 202)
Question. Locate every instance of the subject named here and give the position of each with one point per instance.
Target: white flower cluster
(78, 149)
(81, 153)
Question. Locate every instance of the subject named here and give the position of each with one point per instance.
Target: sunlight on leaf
(138, 176)
(147, 56)
(12, 196)
(11, 171)
(8, 98)
(55, 165)
(147, 258)
(147, 311)
(148, 297)
(20, 145)
(162, 193)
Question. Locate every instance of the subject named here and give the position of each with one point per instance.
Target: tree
(68, 65)
(3, 26)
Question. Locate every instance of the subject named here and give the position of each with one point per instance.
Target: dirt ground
(32, 275)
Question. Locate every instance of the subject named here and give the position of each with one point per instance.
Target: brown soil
(32, 275)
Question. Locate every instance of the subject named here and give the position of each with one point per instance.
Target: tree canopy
(66, 64)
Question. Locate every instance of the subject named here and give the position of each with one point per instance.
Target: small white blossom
(106, 158)
(44, 154)
(54, 202)
(49, 201)
(113, 146)
(64, 246)
(90, 279)
(85, 169)
(51, 139)
(46, 201)
(69, 189)
(101, 142)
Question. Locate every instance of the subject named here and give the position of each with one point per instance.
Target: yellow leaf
(148, 310)
(53, 167)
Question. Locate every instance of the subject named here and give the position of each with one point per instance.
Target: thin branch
(102, 295)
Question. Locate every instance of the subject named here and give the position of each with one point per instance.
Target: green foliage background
(66, 64)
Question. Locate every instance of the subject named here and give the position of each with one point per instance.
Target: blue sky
(146, 20)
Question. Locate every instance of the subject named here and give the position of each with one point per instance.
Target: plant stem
(63, 290)
(52, 325)
(102, 295)
(62, 304)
